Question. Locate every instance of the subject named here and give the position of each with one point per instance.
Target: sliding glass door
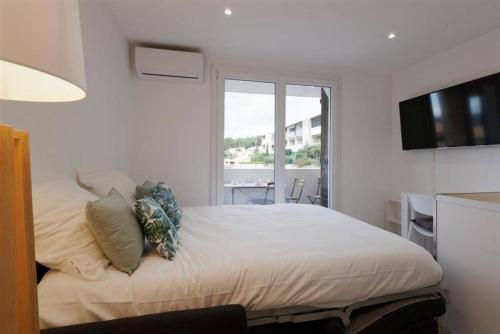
(249, 126)
(274, 140)
(307, 144)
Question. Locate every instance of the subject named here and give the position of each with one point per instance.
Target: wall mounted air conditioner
(169, 65)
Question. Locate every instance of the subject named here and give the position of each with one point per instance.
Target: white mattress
(262, 257)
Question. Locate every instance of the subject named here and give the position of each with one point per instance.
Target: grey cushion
(116, 229)
(426, 223)
(144, 190)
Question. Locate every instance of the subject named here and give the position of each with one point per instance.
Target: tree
(261, 158)
(242, 142)
(228, 155)
(308, 155)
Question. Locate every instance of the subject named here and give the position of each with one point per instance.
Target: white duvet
(262, 257)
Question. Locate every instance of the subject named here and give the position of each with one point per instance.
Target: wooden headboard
(18, 304)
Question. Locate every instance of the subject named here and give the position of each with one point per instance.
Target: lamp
(41, 60)
(41, 54)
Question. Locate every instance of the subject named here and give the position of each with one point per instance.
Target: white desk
(235, 187)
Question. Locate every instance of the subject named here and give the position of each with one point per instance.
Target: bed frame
(306, 314)
(18, 305)
(401, 310)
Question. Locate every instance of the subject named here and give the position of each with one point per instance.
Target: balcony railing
(243, 175)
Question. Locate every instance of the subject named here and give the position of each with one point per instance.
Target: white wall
(90, 133)
(366, 142)
(449, 170)
(158, 130)
(172, 138)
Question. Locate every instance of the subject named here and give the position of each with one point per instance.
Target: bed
(277, 261)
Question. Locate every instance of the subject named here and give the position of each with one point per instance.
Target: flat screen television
(463, 115)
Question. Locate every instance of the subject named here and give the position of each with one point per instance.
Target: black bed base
(379, 307)
(425, 326)
(416, 315)
(229, 319)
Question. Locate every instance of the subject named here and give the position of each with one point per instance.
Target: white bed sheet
(262, 257)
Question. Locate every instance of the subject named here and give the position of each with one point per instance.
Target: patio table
(252, 185)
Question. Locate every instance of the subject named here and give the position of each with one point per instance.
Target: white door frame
(219, 73)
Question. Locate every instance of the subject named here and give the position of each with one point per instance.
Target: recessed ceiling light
(228, 11)
(391, 35)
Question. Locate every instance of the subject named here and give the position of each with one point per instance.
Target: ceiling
(349, 34)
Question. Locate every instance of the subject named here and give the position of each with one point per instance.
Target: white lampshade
(41, 53)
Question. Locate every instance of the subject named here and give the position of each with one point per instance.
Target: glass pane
(306, 150)
(249, 108)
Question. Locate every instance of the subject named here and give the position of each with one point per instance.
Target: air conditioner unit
(169, 65)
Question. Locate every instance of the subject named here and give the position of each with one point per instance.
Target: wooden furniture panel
(18, 305)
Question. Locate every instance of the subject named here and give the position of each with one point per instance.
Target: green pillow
(166, 198)
(144, 190)
(116, 230)
(158, 229)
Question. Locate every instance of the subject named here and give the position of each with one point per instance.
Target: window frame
(219, 73)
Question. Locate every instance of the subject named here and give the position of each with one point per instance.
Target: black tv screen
(463, 115)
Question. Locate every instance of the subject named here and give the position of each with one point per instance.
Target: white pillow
(62, 239)
(100, 183)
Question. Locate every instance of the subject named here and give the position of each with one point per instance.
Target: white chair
(422, 212)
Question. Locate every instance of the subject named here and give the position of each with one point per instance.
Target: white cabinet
(468, 249)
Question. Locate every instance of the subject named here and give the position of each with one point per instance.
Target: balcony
(251, 175)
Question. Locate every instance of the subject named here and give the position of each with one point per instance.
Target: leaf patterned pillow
(158, 229)
(165, 197)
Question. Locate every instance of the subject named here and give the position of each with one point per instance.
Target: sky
(248, 115)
